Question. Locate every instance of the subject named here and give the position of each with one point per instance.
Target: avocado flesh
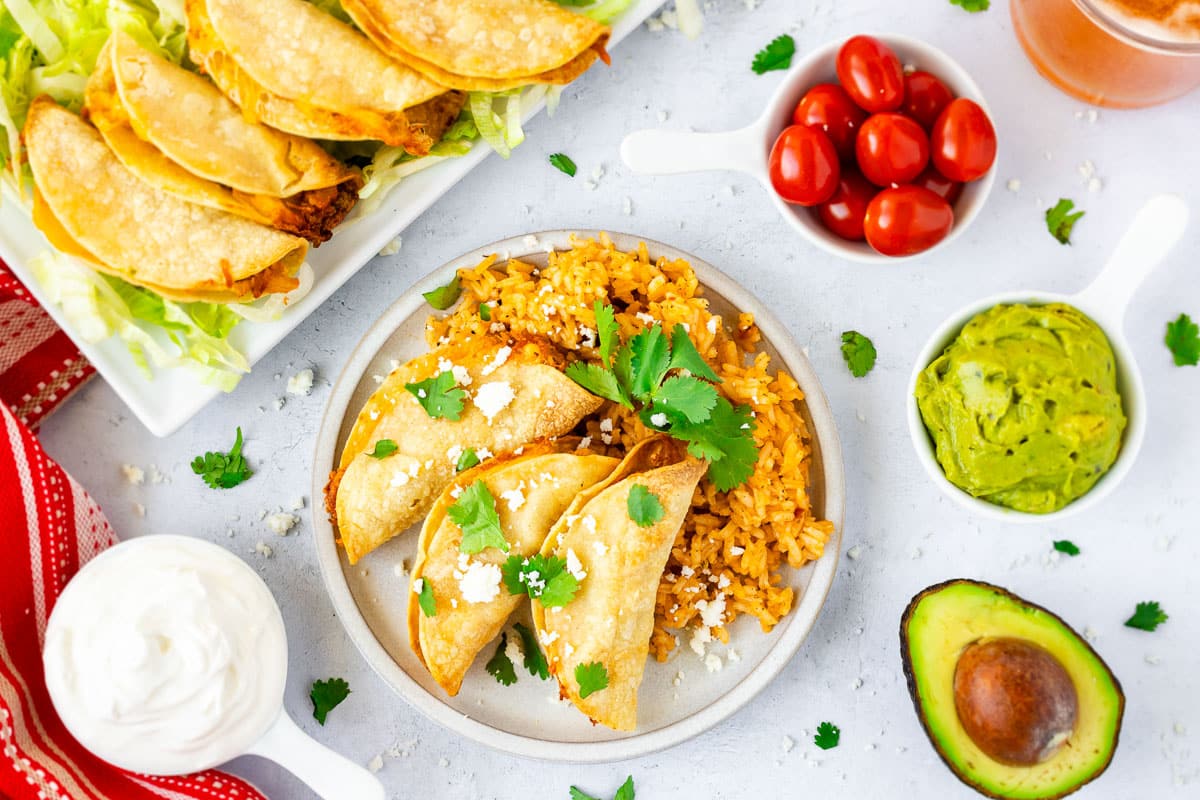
(940, 622)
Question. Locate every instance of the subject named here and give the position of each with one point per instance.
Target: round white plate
(526, 718)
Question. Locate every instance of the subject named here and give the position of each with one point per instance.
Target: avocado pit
(1015, 700)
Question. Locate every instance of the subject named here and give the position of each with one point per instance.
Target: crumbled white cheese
(549, 638)
(512, 647)
(133, 475)
(264, 549)
(574, 565)
(658, 420)
(714, 322)
(392, 247)
(686, 571)
(589, 524)
(712, 614)
(492, 398)
(530, 242)
(606, 424)
(735, 550)
(453, 454)
(627, 206)
(588, 335)
(642, 316)
(399, 478)
(788, 744)
(700, 637)
(601, 548)
(854, 552)
(281, 522)
(483, 453)
(497, 360)
(514, 497)
(480, 582)
(376, 763)
(418, 586)
(298, 503)
(1014, 185)
(734, 655)
(301, 383)
(584, 443)
(713, 663)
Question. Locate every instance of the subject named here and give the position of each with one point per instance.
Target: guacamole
(1023, 406)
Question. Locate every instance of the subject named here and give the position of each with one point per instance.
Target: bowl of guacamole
(1022, 407)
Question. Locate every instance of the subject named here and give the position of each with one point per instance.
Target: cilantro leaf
(563, 163)
(691, 398)
(535, 660)
(644, 506)
(500, 666)
(726, 439)
(384, 448)
(439, 396)
(475, 513)
(1064, 546)
(607, 329)
(468, 459)
(651, 358)
(1060, 221)
(684, 355)
(485, 312)
(425, 599)
(326, 695)
(579, 794)
(544, 578)
(1146, 617)
(223, 470)
(827, 736)
(859, 353)
(1183, 340)
(972, 6)
(625, 792)
(597, 380)
(776, 55)
(443, 297)
(591, 678)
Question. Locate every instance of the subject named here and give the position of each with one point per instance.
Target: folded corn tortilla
(492, 46)
(530, 491)
(177, 131)
(91, 205)
(619, 567)
(376, 499)
(298, 69)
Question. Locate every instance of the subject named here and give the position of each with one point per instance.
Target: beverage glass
(1115, 53)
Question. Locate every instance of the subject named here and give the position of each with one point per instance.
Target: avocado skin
(914, 694)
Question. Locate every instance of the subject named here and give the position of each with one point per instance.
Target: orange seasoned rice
(728, 557)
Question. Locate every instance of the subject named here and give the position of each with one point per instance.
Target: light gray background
(1138, 545)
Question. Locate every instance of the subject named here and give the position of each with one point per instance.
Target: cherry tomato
(871, 74)
(804, 166)
(906, 220)
(925, 96)
(891, 149)
(940, 185)
(827, 107)
(843, 213)
(964, 141)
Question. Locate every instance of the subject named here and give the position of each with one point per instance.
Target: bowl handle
(332, 776)
(662, 152)
(1155, 229)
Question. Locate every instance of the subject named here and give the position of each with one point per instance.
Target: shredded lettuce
(100, 306)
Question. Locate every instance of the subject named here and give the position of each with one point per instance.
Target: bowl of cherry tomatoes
(874, 148)
(888, 151)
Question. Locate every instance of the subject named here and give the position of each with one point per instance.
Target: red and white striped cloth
(49, 528)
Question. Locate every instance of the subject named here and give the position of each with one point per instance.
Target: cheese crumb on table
(301, 383)
(134, 475)
(264, 549)
(281, 522)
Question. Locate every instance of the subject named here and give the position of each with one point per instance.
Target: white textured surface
(1139, 545)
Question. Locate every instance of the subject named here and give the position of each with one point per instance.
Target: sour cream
(166, 655)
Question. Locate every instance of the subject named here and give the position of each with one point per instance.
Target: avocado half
(945, 620)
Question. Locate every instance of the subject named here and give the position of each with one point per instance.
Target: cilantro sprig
(644, 506)
(223, 470)
(439, 396)
(384, 448)
(326, 695)
(1060, 221)
(623, 793)
(445, 296)
(544, 578)
(535, 659)
(858, 352)
(1183, 340)
(425, 598)
(1066, 546)
(475, 513)
(591, 678)
(670, 384)
(972, 6)
(467, 459)
(1146, 617)
(563, 163)
(776, 55)
(500, 666)
(828, 735)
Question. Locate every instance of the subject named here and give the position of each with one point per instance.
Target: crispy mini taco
(529, 492)
(176, 130)
(298, 69)
(375, 499)
(493, 46)
(90, 205)
(619, 561)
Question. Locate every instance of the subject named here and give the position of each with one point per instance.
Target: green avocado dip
(1023, 406)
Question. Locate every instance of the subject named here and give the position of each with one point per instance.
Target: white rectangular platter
(174, 396)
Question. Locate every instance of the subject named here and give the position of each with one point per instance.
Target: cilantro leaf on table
(1183, 340)
(1060, 221)
(445, 296)
(579, 794)
(544, 578)
(597, 380)
(1146, 617)
(425, 598)
(468, 459)
(775, 56)
(439, 396)
(563, 163)
(684, 355)
(625, 792)
(500, 666)
(475, 513)
(644, 507)
(972, 6)
(726, 439)
(607, 330)
(1068, 547)
(684, 397)
(326, 695)
(827, 736)
(859, 353)
(384, 448)
(485, 312)
(223, 470)
(535, 659)
(591, 678)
